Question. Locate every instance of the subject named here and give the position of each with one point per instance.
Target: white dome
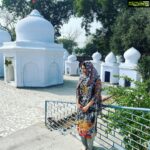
(132, 56)
(34, 28)
(110, 58)
(96, 56)
(72, 58)
(4, 36)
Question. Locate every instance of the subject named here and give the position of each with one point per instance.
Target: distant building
(72, 65)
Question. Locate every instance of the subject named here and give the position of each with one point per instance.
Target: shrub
(138, 96)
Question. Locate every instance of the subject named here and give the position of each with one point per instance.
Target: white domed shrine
(33, 60)
(34, 28)
(72, 65)
(4, 37)
(65, 57)
(97, 61)
(72, 58)
(109, 68)
(128, 68)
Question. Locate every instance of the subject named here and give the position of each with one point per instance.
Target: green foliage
(57, 12)
(144, 67)
(131, 97)
(68, 44)
(8, 62)
(121, 25)
(95, 45)
(102, 10)
(131, 29)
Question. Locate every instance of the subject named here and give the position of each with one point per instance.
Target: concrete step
(38, 137)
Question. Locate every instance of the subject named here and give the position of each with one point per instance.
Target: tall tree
(105, 11)
(132, 29)
(69, 44)
(55, 11)
(7, 21)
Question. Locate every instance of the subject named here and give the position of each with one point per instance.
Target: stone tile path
(23, 107)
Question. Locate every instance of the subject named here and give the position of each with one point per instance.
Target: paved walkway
(23, 107)
(38, 137)
(22, 117)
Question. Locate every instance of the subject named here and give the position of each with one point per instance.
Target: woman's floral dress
(87, 121)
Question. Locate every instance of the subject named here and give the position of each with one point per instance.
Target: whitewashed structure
(97, 61)
(128, 68)
(65, 57)
(4, 37)
(72, 65)
(109, 68)
(33, 60)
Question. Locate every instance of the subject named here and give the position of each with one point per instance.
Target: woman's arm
(85, 108)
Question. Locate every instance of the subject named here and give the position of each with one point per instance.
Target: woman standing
(88, 95)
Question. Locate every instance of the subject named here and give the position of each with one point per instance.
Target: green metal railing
(119, 127)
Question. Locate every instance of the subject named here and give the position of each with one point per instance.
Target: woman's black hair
(82, 64)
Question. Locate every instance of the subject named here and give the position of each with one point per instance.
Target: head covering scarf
(92, 74)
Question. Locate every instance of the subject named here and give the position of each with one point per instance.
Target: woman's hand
(85, 108)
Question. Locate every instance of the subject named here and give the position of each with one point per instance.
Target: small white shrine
(65, 57)
(97, 61)
(128, 68)
(33, 60)
(4, 37)
(109, 68)
(72, 65)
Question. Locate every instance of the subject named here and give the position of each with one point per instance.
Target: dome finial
(35, 13)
